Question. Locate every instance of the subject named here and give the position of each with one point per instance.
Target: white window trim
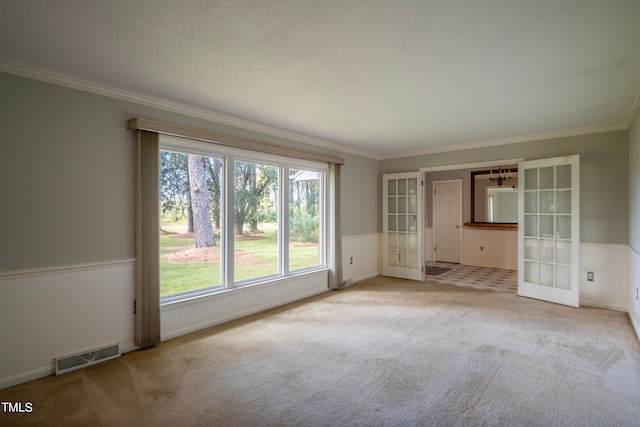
(284, 163)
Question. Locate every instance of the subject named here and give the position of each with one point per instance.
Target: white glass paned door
(549, 229)
(402, 226)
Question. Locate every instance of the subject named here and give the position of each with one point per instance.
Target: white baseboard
(127, 347)
(603, 305)
(23, 377)
(365, 277)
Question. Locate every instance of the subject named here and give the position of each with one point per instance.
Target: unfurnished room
(330, 213)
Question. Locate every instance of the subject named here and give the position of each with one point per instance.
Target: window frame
(229, 156)
(322, 213)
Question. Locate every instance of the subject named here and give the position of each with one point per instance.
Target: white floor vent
(80, 360)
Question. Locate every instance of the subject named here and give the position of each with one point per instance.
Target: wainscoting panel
(482, 247)
(361, 256)
(610, 265)
(52, 312)
(490, 248)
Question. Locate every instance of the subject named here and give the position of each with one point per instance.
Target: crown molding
(246, 124)
(506, 141)
(173, 106)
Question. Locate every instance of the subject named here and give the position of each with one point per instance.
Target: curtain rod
(230, 141)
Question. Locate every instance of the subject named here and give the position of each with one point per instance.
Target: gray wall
(634, 184)
(68, 161)
(67, 175)
(604, 186)
(361, 195)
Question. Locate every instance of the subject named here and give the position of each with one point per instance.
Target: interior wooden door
(403, 226)
(549, 229)
(447, 219)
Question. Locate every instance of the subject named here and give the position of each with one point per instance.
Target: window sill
(169, 302)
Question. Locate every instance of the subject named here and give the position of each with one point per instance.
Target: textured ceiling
(383, 78)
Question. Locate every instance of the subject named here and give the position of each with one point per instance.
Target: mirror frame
(473, 223)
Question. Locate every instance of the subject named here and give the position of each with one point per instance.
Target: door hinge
(422, 183)
(135, 306)
(434, 249)
(422, 269)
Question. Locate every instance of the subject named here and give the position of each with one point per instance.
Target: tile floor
(494, 279)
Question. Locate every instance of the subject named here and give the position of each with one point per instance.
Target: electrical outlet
(590, 276)
(350, 260)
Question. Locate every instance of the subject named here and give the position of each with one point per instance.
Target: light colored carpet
(384, 352)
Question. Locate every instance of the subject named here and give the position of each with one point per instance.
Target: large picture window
(265, 220)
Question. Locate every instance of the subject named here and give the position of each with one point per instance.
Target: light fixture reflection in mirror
(500, 177)
(494, 200)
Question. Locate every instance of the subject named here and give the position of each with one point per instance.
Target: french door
(549, 229)
(403, 226)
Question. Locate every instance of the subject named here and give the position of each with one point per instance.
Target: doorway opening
(486, 255)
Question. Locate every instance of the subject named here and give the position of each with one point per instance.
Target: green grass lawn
(256, 258)
(182, 276)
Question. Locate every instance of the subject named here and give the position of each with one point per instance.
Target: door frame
(433, 213)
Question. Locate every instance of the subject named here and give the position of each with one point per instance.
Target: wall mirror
(494, 197)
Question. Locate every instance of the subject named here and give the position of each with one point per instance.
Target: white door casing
(403, 225)
(447, 220)
(549, 229)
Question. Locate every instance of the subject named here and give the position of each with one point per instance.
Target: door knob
(457, 226)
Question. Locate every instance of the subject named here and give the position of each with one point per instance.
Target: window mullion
(283, 227)
(324, 213)
(227, 226)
